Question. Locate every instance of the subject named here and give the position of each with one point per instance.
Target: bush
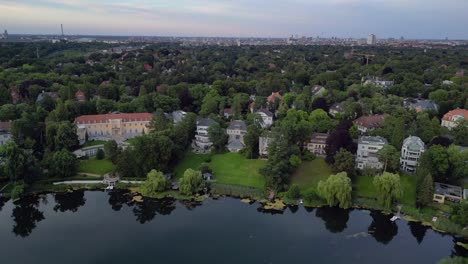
(312, 196)
(204, 168)
(295, 161)
(100, 154)
(17, 190)
(307, 156)
(294, 192)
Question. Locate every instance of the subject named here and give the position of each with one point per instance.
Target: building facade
(202, 140)
(114, 126)
(5, 135)
(371, 39)
(411, 151)
(368, 147)
(317, 144)
(263, 143)
(451, 119)
(266, 116)
(236, 131)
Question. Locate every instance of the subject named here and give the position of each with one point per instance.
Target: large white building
(266, 116)
(367, 152)
(236, 131)
(317, 144)
(202, 139)
(411, 151)
(371, 39)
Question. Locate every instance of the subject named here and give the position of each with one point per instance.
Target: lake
(98, 227)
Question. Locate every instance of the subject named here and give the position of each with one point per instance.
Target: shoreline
(279, 204)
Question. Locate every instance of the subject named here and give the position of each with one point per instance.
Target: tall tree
(344, 161)
(336, 190)
(218, 137)
(192, 182)
(425, 192)
(388, 188)
(156, 182)
(62, 164)
(389, 156)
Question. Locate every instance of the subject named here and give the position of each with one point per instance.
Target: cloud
(415, 18)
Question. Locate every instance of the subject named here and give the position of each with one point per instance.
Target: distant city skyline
(415, 19)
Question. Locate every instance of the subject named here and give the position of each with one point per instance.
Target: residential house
(43, 94)
(318, 90)
(317, 144)
(379, 82)
(368, 123)
(445, 192)
(263, 143)
(15, 95)
(460, 73)
(274, 97)
(266, 116)
(148, 67)
(113, 126)
(451, 118)
(447, 82)
(336, 108)
(236, 131)
(421, 105)
(176, 116)
(5, 134)
(367, 152)
(412, 149)
(227, 113)
(80, 96)
(202, 140)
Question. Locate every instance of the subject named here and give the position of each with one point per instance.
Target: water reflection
(381, 228)
(418, 231)
(69, 201)
(335, 218)
(147, 210)
(118, 198)
(26, 215)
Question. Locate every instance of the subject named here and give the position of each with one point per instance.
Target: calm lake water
(98, 227)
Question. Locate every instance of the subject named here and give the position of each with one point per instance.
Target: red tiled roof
(88, 119)
(148, 67)
(370, 121)
(457, 112)
(273, 96)
(105, 83)
(5, 125)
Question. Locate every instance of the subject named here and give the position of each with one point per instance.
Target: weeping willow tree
(336, 190)
(388, 188)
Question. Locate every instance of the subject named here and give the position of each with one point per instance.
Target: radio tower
(61, 26)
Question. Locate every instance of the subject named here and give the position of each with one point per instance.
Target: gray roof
(422, 104)
(447, 189)
(205, 121)
(265, 111)
(372, 140)
(237, 125)
(413, 143)
(235, 144)
(42, 95)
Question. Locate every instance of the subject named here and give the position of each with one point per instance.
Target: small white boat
(301, 201)
(394, 218)
(110, 187)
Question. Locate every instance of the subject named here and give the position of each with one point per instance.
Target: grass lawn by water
(310, 173)
(233, 168)
(191, 161)
(364, 187)
(95, 166)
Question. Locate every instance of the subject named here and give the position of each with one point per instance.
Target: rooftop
(319, 138)
(237, 125)
(452, 115)
(447, 189)
(373, 121)
(265, 111)
(273, 97)
(205, 121)
(372, 140)
(104, 118)
(413, 143)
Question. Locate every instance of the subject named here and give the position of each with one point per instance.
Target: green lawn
(364, 187)
(233, 168)
(95, 166)
(94, 143)
(191, 161)
(310, 173)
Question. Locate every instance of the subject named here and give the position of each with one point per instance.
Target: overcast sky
(239, 18)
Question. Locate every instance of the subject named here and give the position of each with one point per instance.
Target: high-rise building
(371, 39)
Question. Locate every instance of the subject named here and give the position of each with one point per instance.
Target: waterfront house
(446, 192)
(411, 151)
(420, 105)
(317, 144)
(202, 141)
(236, 131)
(368, 147)
(113, 126)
